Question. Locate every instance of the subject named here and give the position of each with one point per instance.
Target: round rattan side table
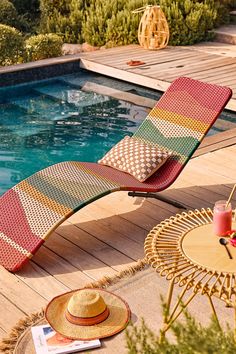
(186, 252)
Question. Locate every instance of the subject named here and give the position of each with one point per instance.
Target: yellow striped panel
(178, 119)
(43, 199)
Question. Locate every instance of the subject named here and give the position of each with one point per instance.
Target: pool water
(53, 121)
(46, 122)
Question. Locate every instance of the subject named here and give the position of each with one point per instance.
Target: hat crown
(86, 303)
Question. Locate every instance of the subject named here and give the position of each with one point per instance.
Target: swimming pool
(55, 120)
(52, 121)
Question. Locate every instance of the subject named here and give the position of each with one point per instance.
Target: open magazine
(47, 341)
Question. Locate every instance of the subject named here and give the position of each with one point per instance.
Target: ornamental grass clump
(189, 21)
(63, 17)
(11, 45)
(43, 46)
(190, 337)
(111, 22)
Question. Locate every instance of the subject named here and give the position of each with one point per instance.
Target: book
(48, 341)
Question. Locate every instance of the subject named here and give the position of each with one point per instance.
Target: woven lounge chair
(32, 209)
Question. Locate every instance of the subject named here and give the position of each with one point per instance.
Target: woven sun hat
(88, 314)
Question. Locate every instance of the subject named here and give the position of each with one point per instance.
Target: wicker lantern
(153, 31)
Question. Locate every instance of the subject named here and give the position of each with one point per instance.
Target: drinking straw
(230, 197)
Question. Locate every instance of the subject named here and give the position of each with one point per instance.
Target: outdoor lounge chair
(32, 209)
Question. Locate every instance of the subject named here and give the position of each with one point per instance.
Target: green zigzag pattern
(182, 145)
(54, 188)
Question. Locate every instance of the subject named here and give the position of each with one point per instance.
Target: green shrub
(11, 45)
(95, 22)
(8, 13)
(43, 46)
(112, 22)
(190, 337)
(189, 21)
(62, 17)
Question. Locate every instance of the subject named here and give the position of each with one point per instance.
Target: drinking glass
(222, 218)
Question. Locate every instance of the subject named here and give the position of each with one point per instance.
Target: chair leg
(157, 196)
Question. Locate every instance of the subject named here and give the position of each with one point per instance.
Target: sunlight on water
(46, 123)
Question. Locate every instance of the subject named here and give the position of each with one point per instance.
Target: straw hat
(87, 314)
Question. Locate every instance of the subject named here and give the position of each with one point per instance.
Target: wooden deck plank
(211, 71)
(40, 281)
(148, 59)
(60, 269)
(208, 66)
(10, 315)
(77, 257)
(176, 64)
(113, 255)
(127, 247)
(113, 222)
(26, 299)
(215, 62)
(166, 65)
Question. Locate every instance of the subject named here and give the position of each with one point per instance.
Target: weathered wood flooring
(214, 64)
(107, 236)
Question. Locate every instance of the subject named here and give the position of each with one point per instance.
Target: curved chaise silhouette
(33, 208)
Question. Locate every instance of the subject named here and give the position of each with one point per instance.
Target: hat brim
(119, 315)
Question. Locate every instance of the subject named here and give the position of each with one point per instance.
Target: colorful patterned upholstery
(32, 209)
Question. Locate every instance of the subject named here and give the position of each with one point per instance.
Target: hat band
(87, 321)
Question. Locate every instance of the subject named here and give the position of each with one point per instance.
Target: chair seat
(33, 208)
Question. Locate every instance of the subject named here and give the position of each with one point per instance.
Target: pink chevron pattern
(32, 209)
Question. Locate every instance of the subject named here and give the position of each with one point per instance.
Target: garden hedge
(11, 45)
(43, 46)
(111, 22)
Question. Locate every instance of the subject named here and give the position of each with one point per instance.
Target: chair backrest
(181, 119)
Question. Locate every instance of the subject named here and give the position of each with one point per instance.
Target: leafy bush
(11, 45)
(8, 13)
(190, 337)
(111, 22)
(62, 17)
(189, 21)
(43, 46)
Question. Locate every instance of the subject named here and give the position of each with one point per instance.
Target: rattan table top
(184, 248)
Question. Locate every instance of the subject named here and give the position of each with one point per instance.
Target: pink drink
(222, 218)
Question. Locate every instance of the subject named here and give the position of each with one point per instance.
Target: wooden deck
(215, 63)
(107, 236)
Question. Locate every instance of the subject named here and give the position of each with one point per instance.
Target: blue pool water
(46, 122)
(52, 121)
